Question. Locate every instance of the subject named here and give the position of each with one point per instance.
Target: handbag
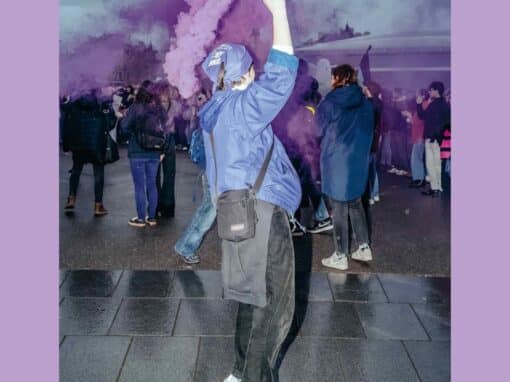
(111, 154)
(235, 209)
(149, 132)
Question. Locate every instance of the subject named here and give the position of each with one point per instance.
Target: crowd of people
(287, 148)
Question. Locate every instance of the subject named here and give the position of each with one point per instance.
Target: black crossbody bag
(235, 209)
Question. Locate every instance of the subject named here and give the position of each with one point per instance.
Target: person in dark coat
(165, 178)
(144, 162)
(435, 117)
(346, 123)
(373, 92)
(85, 129)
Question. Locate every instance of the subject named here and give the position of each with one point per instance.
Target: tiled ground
(175, 326)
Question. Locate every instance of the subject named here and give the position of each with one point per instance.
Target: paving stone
(331, 319)
(356, 287)
(313, 286)
(312, 359)
(82, 316)
(206, 317)
(215, 359)
(431, 359)
(62, 277)
(376, 361)
(144, 284)
(144, 316)
(436, 320)
(416, 289)
(155, 359)
(90, 283)
(390, 321)
(197, 284)
(92, 358)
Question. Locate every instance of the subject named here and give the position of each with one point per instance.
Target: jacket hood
(209, 113)
(346, 97)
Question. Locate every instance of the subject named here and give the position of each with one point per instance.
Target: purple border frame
(29, 282)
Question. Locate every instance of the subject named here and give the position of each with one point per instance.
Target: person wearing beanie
(257, 272)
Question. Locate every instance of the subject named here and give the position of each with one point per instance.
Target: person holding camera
(85, 128)
(254, 187)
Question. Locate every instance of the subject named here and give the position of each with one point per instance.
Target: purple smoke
(195, 32)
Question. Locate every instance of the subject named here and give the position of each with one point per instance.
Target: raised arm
(281, 29)
(262, 101)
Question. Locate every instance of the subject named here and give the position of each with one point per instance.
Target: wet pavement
(130, 310)
(175, 326)
(411, 233)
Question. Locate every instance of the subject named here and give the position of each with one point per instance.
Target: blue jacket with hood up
(241, 123)
(346, 122)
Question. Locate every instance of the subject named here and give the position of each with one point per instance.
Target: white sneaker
(337, 261)
(371, 202)
(393, 170)
(363, 253)
(377, 198)
(231, 378)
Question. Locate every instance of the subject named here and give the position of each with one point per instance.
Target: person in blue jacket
(346, 123)
(257, 272)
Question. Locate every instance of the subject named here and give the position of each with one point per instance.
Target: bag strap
(260, 176)
(263, 169)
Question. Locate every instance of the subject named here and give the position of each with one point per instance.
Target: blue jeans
(417, 163)
(373, 178)
(201, 222)
(322, 212)
(144, 178)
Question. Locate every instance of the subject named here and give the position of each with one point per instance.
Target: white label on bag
(237, 227)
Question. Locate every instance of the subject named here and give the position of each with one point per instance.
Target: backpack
(197, 149)
(149, 132)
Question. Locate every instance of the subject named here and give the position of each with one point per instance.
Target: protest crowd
(267, 147)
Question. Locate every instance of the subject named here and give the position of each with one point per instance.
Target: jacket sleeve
(128, 123)
(421, 111)
(323, 117)
(264, 99)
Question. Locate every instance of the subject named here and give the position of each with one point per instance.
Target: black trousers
(260, 332)
(343, 213)
(166, 186)
(74, 181)
(400, 151)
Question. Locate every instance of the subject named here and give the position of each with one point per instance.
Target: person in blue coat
(257, 272)
(346, 123)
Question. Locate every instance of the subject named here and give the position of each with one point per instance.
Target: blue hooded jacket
(346, 123)
(241, 123)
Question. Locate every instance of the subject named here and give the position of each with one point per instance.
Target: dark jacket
(346, 122)
(85, 127)
(128, 128)
(378, 110)
(435, 117)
